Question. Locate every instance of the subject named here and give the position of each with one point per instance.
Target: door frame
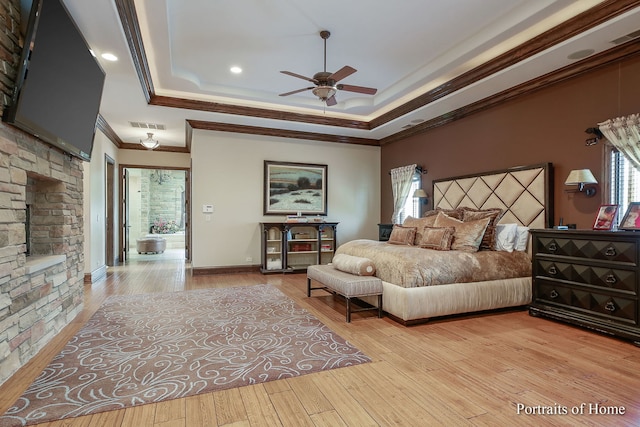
(123, 201)
(110, 212)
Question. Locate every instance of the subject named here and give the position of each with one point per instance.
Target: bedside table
(384, 231)
(588, 278)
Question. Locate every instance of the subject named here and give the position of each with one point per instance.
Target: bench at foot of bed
(345, 284)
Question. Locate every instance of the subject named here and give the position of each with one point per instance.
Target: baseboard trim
(202, 271)
(97, 274)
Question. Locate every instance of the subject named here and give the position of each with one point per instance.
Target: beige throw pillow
(402, 235)
(494, 215)
(467, 236)
(438, 238)
(419, 224)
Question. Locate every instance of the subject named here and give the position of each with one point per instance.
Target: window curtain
(624, 134)
(401, 179)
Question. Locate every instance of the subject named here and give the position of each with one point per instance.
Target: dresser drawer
(582, 300)
(601, 277)
(606, 250)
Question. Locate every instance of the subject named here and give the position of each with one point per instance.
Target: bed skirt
(422, 303)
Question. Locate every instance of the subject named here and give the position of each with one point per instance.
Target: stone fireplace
(43, 292)
(40, 293)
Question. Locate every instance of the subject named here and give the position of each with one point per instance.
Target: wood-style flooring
(497, 369)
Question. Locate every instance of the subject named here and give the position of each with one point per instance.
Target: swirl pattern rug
(140, 349)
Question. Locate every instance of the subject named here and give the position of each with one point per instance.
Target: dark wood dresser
(588, 278)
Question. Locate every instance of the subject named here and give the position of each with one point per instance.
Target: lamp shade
(580, 176)
(420, 194)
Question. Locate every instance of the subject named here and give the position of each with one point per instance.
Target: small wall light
(581, 177)
(419, 194)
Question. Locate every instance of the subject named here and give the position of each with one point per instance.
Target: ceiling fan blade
(331, 101)
(296, 91)
(309, 79)
(342, 73)
(358, 89)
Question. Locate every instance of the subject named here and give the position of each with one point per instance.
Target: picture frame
(606, 217)
(294, 188)
(631, 219)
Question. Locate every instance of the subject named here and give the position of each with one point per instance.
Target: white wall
(228, 172)
(154, 158)
(95, 203)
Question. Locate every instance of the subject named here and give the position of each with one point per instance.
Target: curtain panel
(401, 179)
(624, 134)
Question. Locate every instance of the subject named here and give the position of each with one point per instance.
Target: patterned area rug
(147, 348)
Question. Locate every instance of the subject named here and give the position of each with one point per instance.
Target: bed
(419, 283)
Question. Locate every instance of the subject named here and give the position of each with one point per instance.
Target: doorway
(155, 205)
(110, 226)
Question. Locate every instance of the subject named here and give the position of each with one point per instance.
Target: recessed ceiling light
(109, 56)
(236, 70)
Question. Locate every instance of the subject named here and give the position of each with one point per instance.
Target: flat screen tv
(59, 82)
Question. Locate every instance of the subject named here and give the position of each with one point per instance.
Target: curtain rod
(419, 169)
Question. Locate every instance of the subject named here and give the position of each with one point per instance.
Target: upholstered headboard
(525, 193)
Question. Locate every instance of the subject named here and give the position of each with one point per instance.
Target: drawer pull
(611, 279)
(610, 251)
(610, 306)
(552, 247)
(553, 270)
(553, 294)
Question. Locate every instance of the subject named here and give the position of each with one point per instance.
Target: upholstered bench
(345, 284)
(151, 245)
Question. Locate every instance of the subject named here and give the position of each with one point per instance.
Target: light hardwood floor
(464, 371)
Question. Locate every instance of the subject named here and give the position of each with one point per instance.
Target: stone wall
(41, 293)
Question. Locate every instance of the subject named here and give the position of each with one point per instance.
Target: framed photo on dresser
(606, 217)
(631, 219)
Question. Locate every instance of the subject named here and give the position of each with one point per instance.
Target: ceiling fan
(326, 84)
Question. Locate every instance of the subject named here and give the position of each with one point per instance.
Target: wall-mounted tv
(59, 82)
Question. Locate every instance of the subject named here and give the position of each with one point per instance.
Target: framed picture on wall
(292, 188)
(606, 217)
(631, 219)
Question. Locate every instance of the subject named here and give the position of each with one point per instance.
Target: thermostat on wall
(207, 208)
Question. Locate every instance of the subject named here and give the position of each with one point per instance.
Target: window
(625, 181)
(412, 205)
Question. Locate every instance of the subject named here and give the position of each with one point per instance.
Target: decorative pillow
(453, 213)
(402, 235)
(353, 265)
(506, 237)
(438, 238)
(419, 224)
(522, 238)
(467, 236)
(494, 214)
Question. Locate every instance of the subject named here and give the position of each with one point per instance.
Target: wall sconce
(419, 194)
(422, 198)
(581, 177)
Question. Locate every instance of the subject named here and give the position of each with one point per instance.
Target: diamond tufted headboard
(525, 193)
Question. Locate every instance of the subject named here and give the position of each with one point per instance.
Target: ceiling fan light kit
(326, 83)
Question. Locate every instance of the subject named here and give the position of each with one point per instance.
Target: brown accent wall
(545, 126)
